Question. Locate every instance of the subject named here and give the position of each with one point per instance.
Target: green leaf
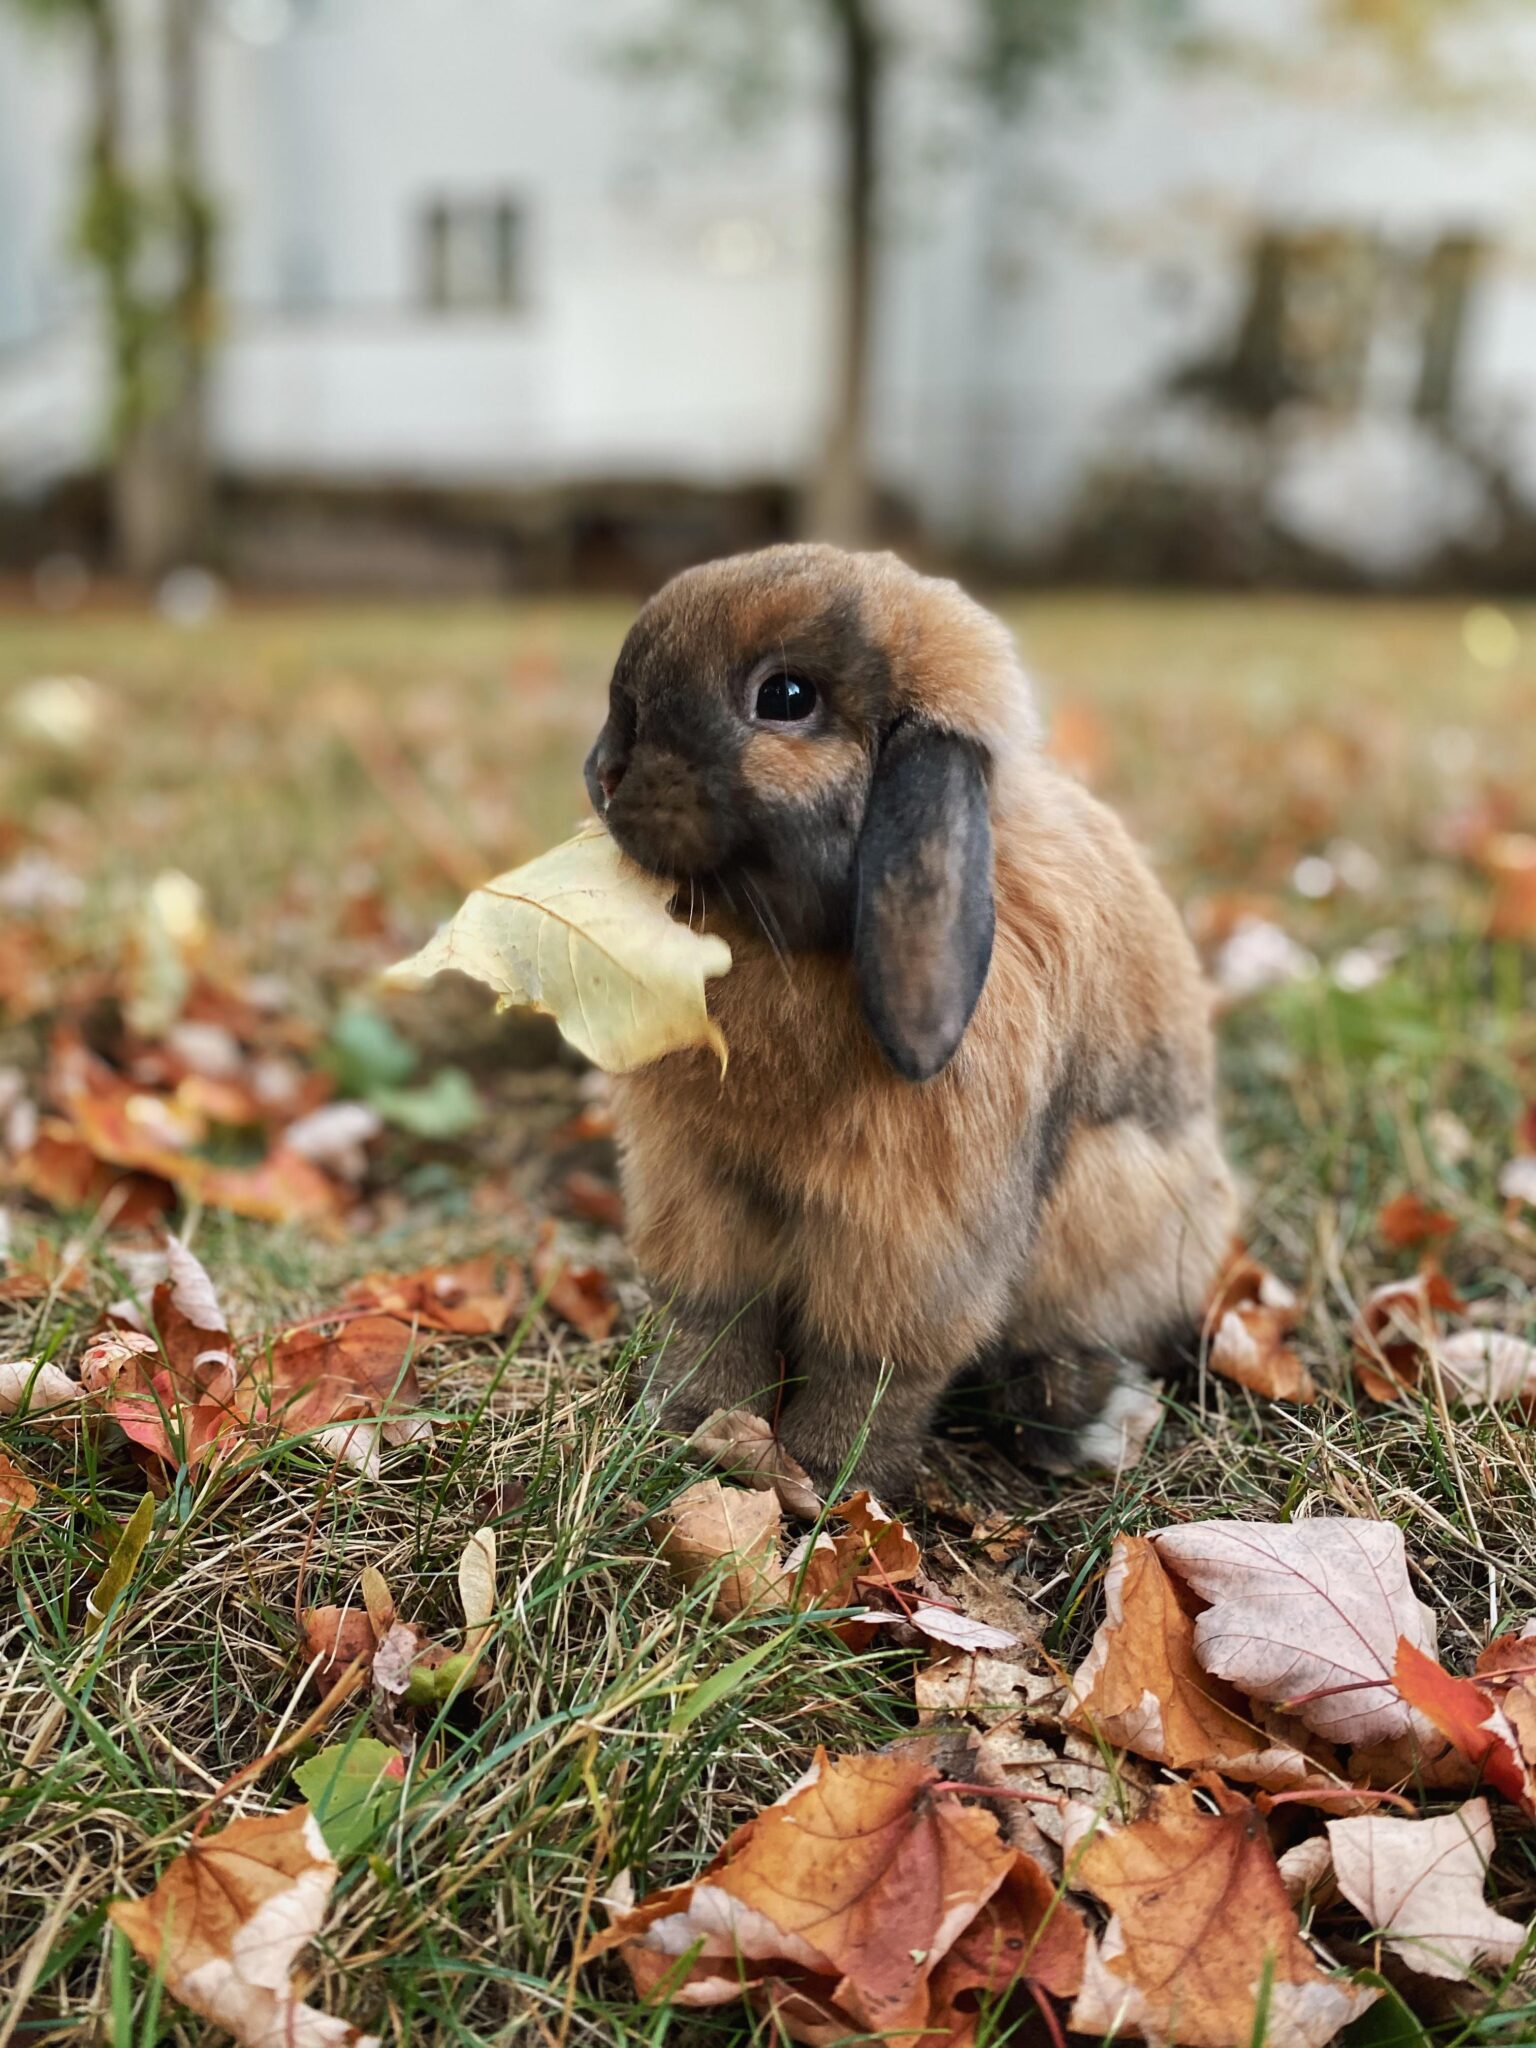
(126, 1552)
(365, 1052)
(445, 1107)
(351, 1786)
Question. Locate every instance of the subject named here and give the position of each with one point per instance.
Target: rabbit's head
(814, 742)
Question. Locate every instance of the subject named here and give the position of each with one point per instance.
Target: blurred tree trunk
(161, 497)
(841, 502)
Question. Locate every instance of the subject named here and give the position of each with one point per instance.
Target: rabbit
(967, 1127)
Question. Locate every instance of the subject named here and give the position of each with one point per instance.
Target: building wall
(1050, 300)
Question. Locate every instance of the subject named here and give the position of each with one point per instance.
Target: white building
(1285, 282)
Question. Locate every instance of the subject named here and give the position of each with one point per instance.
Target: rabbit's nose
(609, 778)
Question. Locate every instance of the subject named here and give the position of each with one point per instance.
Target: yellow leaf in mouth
(585, 934)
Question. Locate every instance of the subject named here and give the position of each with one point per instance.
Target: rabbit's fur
(967, 1125)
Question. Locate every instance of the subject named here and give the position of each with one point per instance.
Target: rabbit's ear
(923, 924)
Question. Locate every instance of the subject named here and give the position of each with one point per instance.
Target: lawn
(332, 781)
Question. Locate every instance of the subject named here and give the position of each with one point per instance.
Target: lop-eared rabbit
(967, 1129)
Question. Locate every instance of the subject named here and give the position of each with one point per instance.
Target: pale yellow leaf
(477, 1588)
(585, 934)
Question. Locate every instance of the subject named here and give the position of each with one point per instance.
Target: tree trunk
(157, 343)
(841, 507)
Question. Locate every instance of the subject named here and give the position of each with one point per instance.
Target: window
(473, 255)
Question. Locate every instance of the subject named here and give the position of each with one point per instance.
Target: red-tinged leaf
(1467, 1717)
(468, 1300)
(181, 1432)
(1408, 1222)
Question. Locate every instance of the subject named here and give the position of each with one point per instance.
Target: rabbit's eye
(782, 700)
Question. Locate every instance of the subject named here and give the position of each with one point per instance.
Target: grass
(330, 778)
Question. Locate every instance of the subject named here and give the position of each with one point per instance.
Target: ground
(332, 780)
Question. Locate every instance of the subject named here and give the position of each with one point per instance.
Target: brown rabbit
(967, 1124)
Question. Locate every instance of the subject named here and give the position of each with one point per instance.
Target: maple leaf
(356, 1387)
(729, 1530)
(226, 1921)
(585, 935)
(467, 1300)
(1301, 1609)
(864, 1874)
(1470, 1713)
(1420, 1882)
(1142, 1686)
(870, 1554)
(744, 1446)
(1201, 1931)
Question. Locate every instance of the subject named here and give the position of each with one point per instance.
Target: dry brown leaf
(864, 1875)
(338, 1636)
(1200, 1924)
(869, 1555)
(988, 1688)
(579, 1295)
(1407, 1223)
(32, 1385)
(124, 1125)
(228, 1918)
(1248, 1346)
(744, 1446)
(1299, 1609)
(17, 1496)
(1142, 1687)
(731, 1530)
(1397, 1326)
(1420, 1882)
(467, 1300)
(592, 1200)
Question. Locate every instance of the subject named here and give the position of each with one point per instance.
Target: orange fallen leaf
(1397, 1325)
(871, 1553)
(1251, 1314)
(337, 1636)
(1142, 1688)
(592, 1200)
(1408, 1222)
(147, 1132)
(467, 1300)
(17, 1496)
(59, 1168)
(1249, 1346)
(226, 1922)
(866, 1874)
(1201, 1932)
(579, 1295)
(1469, 1713)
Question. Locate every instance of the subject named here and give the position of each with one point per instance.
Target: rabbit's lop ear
(923, 925)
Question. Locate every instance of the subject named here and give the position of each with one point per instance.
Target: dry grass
(324, 775)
